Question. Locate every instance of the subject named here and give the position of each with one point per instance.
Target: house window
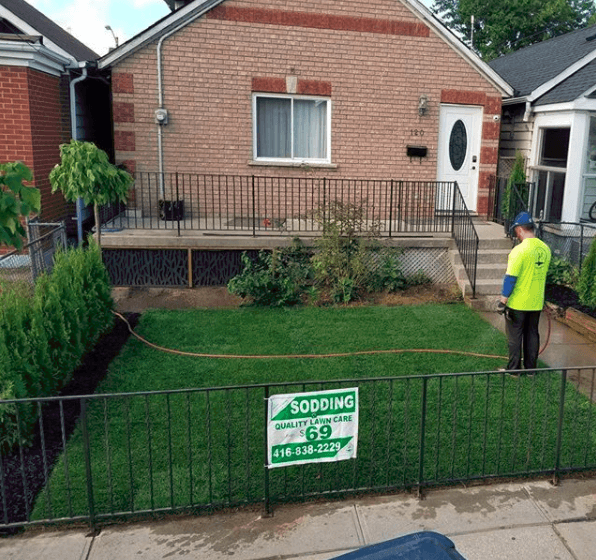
(292, 128)
(547, 199)
(589, 177)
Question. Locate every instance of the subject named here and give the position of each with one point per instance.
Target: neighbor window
(291, 128)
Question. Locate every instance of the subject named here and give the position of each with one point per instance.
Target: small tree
(509, 208)
(586, 287)
(16, 201)
(85, 172)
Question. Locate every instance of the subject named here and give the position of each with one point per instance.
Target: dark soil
(22, 472)
(565, 297)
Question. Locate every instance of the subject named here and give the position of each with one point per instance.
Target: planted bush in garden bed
(44, 337)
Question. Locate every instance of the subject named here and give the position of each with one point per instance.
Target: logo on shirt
(540, 257)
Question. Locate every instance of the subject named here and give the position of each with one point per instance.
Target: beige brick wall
(376, 76)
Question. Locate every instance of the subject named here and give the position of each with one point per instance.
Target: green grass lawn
(206, 448)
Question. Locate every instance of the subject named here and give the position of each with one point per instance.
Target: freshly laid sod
(206, 448)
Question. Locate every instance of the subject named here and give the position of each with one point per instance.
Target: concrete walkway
(525, 521)
(516, 521)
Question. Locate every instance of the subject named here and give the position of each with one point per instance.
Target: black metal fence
(36, 257)
(108, 456)
(257, 205)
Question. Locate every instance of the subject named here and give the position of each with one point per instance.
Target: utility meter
(161, 116)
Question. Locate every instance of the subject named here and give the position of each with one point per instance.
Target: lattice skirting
(186, 268)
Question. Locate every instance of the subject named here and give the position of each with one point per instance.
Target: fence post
(422, 436)
(390, 207)
(177, 206)
(555, 480)
(254, 211)
(454, 185)
(88, 472)
(268, 512)
(581, 245)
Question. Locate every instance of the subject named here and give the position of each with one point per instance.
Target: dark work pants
(523, 337)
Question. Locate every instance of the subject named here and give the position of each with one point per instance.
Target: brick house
(42, 69)
(344, 90)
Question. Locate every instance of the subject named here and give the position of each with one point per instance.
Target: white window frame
(291, 160)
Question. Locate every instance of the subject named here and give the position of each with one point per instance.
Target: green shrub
(44, 337)
(341, 261)
(276, 278)
(562, 273)
(586, 287)
(387, 275)
(419, 278)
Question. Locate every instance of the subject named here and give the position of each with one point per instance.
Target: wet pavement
(531, 521)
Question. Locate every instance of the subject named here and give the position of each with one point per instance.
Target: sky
(87, 19)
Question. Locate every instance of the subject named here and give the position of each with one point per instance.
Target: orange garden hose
(312, 356)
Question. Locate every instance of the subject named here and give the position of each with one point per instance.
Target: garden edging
(574, 319)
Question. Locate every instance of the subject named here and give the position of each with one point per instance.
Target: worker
(522, 296)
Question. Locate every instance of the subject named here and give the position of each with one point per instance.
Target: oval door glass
(458, 145)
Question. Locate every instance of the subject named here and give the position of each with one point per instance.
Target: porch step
(493, 250)
(490, 271)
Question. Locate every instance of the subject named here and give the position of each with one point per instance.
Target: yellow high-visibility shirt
(529, 263)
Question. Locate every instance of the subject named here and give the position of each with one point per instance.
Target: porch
(189, 230)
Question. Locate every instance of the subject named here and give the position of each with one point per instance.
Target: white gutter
(32, 55)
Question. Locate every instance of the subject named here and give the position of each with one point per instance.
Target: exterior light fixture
(422, 105)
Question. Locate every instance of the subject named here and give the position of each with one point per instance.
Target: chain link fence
(37, 256)
(569, 241)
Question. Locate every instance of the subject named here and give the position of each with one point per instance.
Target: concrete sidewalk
(525, 521)
(516, 521)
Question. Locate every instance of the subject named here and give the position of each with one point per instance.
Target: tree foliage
(16, 201)
(503, 26)
(86, 172)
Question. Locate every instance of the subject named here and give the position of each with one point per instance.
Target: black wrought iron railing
(106, 456)
(466, 237)
(257, 205)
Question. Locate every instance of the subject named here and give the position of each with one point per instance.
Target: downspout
(161, 114)
(73, 132)
(528, 111)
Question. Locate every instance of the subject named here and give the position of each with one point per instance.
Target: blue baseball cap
(522, 219)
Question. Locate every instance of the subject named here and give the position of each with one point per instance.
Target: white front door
(460, 134)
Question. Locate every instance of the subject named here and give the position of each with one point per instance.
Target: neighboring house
(551, 119)
(43, 90)
(295, 88)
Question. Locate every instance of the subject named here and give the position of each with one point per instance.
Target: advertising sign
(317, 427)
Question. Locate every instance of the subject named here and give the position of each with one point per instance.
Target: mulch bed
(565, 297)
(22, 480)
